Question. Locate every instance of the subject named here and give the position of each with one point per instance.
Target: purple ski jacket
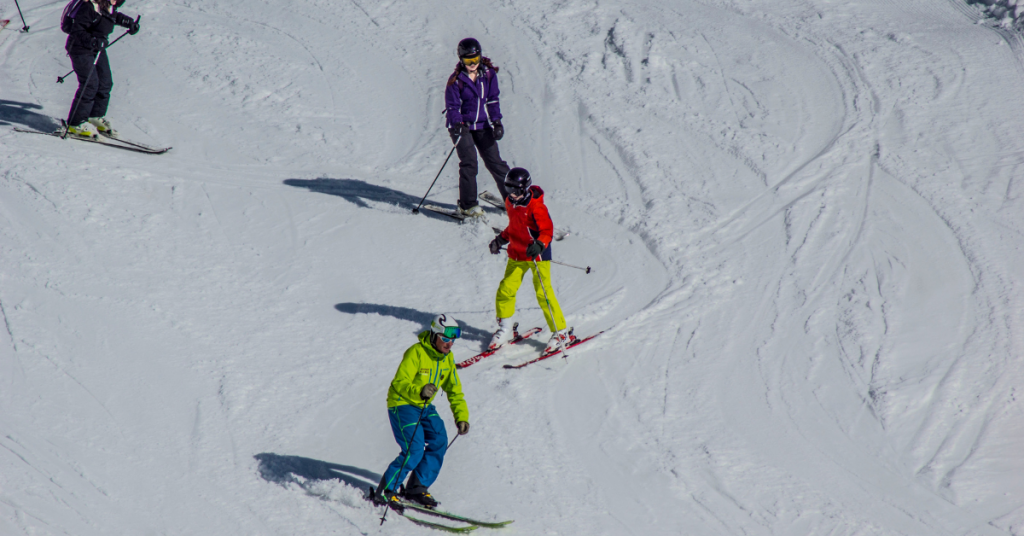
(473, 103)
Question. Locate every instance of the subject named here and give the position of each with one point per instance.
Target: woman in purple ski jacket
(474, 122)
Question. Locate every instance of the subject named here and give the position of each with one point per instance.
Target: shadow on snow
(359, 192)
(412, 315)
(284, 470)
(20, 113)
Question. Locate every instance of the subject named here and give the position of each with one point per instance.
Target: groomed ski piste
(805, 220)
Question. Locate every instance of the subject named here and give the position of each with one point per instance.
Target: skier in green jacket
(419, 431)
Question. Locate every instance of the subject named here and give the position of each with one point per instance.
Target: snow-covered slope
(804, 219)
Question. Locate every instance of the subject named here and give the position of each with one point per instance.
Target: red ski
(516, 338)
(555, 352)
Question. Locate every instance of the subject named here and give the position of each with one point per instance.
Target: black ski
(450, 212)
(109, 142)
(155, 150)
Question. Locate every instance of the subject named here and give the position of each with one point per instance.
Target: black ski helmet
(468, 48)
(517, 181)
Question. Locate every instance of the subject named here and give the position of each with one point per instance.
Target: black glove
(496, 244)
(456, 130)
(428, 391)
(97, 43)
(124, 20)
(499, 131)
(536, 248)
(463, 427)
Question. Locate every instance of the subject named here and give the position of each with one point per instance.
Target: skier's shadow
(412, 315)
(20, 113)
(358, 192)
(283, 470)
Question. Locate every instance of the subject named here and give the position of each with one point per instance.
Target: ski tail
(439, 526)
(455, 517)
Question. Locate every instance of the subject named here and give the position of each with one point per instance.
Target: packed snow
(804, 220)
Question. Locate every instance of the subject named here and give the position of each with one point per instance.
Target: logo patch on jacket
(424, 371)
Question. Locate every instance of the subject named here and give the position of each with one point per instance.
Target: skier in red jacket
(528, 237)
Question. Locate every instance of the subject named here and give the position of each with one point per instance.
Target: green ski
(438, 526)
(454, 517)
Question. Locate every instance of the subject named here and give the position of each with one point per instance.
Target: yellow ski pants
(505, 301)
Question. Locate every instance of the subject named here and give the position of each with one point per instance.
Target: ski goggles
(471, 60)
(450, 334)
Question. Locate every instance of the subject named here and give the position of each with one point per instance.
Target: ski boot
(103, 126)
(472, 212)
(557, 338)
(501, 336)
(385, 497)
(422, 498)
(83, 130)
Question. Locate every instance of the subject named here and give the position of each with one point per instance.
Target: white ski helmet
(446, 326)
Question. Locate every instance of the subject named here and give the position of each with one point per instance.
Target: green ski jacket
(420, 365)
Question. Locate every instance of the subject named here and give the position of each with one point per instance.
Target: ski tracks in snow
(834, 203)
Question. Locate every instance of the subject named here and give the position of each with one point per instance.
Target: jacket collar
(428, 345)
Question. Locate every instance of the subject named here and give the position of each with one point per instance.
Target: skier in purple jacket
(474, 122)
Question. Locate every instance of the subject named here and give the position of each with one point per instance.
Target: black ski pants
(484, 142)
(93, 93)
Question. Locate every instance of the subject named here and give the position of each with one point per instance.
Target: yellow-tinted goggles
(472, 60)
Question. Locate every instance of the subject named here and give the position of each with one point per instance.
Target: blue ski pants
(423, 447)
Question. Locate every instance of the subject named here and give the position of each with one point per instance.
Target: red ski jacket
(526, 224)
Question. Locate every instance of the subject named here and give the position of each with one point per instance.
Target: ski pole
(60, 79)
(561, 341)
(587, 269)
(457, 140)
(452, 443)
(81, 92)
(23, 24)
(408, 451)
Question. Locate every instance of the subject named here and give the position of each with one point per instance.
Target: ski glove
(97, 44)
(463, 427)
(496, 244)
(124, 20)
(428, 391)
(499, 131)
(536, 248)
(456, 130)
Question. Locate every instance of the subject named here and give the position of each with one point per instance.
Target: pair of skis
(520, 337)
(401, 506)
(574, 342)
(516, 339)
(103, 139)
